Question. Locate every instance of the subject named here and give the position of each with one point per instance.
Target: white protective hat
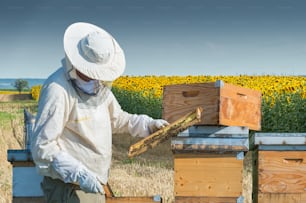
(93, 52)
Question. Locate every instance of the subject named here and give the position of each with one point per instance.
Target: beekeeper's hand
(73, 171)
(157, 124)
(143, 125)
(89, 182)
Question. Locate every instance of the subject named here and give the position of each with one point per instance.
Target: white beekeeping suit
(76, 118)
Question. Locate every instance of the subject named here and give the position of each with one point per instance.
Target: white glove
(72, 171)
(157, 124)
(143, 125)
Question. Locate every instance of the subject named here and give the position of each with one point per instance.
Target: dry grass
(11, 137)
(146, 175)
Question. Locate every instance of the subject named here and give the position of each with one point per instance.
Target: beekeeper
(77, 115)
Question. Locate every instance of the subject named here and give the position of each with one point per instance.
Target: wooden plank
(28, 199)
(132, 200)
(163, 134)
(281, 198)
(108, 191)
(206, 199)
(178, 100)
(108, 200)
(282, 171)
(240, 93)
(240, 106)
(23, 164)
(209, 175)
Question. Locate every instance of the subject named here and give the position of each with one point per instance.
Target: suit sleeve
(50, 120)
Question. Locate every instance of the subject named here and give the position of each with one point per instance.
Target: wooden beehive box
(208, 164)
(223, 104)
(281, 168)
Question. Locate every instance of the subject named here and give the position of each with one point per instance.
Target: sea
(8, 84)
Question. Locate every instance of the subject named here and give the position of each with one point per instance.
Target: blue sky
(161, 37)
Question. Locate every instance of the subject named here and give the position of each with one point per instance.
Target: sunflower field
(283, 97)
